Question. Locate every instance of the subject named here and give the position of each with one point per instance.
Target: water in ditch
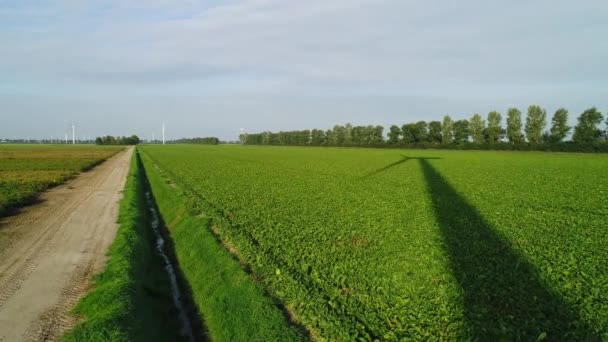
(175, 291)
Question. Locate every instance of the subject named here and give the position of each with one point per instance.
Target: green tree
(408, 133)
(535, 123)
(348, 135)
(461, 131)
(559, 126)
(358, 135)
(494, 127)
(421, 132)
(329, 137)
(587, 131)
(477, 125)
(266, 138)
(434, 132)
(394, 133)
(337, 136)
(317, 137)
(377, 136)
(514, 124)
(447, 129)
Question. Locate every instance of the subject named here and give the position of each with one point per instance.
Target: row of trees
(199, 141)
(476, 130)
(110, 140)
(490, 131)
(347, 135)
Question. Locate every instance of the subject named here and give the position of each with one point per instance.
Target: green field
(401, 244)
(27, 170)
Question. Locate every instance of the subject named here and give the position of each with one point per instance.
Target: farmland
(402, 244)
(27, 170)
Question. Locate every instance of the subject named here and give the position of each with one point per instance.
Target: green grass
(27, 170)
(233, 306)
(131, 299)
(403, 244)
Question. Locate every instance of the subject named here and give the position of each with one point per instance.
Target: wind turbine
(163, 133)
(73, 134)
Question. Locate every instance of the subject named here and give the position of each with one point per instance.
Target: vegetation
(462, 132)
(394, 135)
(559, 126)
(535, 122)
(447, 128)
(378, 244)
(27, 170)
(587, 130)
(110, 140)
(131, 299)
(477, 127)
(514, 126)
(475, 133)
(435, 132)
(232, 303)
(199, 141)
(494, 131)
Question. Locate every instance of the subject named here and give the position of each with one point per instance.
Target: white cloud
(263, 52)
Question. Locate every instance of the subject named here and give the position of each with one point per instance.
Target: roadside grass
(131, 299)
(233, 305)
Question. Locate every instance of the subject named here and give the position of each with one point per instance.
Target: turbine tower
(73, 134)
(163, 133)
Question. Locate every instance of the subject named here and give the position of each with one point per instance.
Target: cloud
(319, 41)
(263, 52)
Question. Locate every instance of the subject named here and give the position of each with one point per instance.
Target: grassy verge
(233, 305)
(131, 300)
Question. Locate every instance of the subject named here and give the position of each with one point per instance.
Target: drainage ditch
(192, 327)
(184, 320)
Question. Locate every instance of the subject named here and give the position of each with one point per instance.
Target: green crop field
(408, 244)
(27, 170)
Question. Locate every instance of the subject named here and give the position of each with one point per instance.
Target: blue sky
(213, 67)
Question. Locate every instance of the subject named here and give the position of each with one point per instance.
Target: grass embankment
(233, 305)
(131, 300)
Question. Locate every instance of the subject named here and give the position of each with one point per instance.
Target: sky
(211, 68)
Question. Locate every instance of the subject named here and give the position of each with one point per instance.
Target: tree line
(198, 141)
(111, 140)
(475, 132)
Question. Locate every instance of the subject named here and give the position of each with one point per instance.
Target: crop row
(389, 244)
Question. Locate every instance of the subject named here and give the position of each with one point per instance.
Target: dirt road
(49, 252)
